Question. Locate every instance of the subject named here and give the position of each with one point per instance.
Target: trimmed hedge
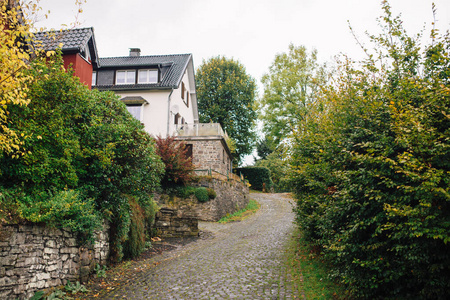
(256, 176)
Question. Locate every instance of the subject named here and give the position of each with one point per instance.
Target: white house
(158, 90)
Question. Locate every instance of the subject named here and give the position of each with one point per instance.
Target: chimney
(135, 52)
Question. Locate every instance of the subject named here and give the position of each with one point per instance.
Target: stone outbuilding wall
(34, 258)
(209, 153)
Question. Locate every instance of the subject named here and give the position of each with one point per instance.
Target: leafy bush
(202, 194)
(279, 170)
(83, 142)
(64, 209)
(211, 193)
(135, 243)
(185, 191)
(371, 170)
(257, 176)
(178, 167)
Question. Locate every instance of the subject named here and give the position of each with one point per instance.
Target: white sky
(250, 31)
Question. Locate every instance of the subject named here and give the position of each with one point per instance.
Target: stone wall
(34, 258)
(210, 152)
(171, 222)
(231, 196)
(179, 217)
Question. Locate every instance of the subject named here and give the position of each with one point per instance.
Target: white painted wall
(154, 116)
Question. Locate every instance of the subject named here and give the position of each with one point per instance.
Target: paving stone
(242, 260)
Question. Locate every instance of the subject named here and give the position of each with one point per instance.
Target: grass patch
(255, 191)
(240, 215)
(310, 272)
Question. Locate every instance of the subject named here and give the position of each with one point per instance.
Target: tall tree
(289, 87)
(14, 36)
(226, 95)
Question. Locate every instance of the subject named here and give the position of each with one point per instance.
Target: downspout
(168, 111)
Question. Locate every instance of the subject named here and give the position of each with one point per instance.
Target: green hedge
(371, 170)
(256, 176)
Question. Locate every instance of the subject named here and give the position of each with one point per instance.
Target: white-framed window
(94, 78)
(126, 77)
(148, 76)
(135, 111)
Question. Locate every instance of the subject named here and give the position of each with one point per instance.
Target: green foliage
(64, 209)
(38, 295)
(84, 150)
(226, 95)
(290, 86)
(211, 193)
(257, 177)
(57, 295)
(135, 243)
(279, 170)
(371, 170)
(75, 288)
(264, 148)
(100, 271)
(202, 194)
(185, 191)
(178, 167)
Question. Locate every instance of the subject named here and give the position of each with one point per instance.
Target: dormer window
(148, 76)
(126, 77)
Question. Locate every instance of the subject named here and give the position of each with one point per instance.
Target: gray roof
(173, 67)
(72, 40)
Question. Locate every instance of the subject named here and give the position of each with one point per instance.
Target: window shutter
(182, 90)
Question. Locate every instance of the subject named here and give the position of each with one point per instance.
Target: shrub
(135, 243)
(185, 191)
(178, 167)
(257, 176)
(211, 193)
(202, 194)
(82, 141)
(279, 170)
(371, 170)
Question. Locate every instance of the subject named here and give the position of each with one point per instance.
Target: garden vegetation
(86, 159)
(371, 168)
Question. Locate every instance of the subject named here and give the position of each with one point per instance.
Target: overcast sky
(250, 31)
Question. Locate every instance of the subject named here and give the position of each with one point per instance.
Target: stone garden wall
(34, 258)
(179, 217)
(231, 196)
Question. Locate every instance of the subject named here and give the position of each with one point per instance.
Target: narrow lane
(243, 260)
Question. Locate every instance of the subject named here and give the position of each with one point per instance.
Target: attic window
(148, 76)
(126, 77)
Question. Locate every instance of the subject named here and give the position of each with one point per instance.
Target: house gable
(166, 82)
(78, 48)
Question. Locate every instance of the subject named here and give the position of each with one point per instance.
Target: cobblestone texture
(242, 260)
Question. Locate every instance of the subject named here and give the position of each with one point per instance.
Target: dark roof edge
(184, 69)
(132, 88)
(162, 55)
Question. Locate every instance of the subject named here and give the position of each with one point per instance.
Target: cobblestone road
(242, 260)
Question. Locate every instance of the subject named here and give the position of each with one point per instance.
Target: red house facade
(78, 50)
